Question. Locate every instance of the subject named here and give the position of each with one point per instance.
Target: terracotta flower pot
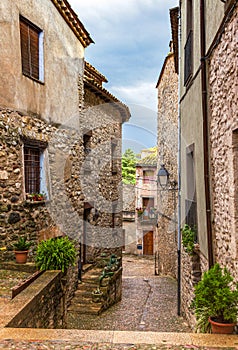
(221, 328)
(97, 297)
(21, 256)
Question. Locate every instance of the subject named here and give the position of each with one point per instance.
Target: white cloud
(131, 42)
(142, 94)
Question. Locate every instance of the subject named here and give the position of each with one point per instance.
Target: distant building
(166, 233)
(146, 201)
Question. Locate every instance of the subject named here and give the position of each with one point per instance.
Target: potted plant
(216, 301)
(189, 239)
(21, 248)
(97, 295)
(36, 197)
(139, 211)
(55, 254)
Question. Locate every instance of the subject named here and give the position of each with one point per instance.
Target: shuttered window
(30, 49)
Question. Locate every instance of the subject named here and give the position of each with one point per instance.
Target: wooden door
(148, 243)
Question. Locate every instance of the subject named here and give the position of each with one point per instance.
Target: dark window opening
(191, 202)
(188, 49)
(87, 138)
(32, 169)
(148, 176)
(114, 158)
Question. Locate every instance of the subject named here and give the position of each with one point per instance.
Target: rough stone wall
(17, 215)
(69, 185)
(167, 155)
(101, 174)
(113, 291)
(224, 145)
(37, 220)
(129, 225)
(193, 266)
(43, 304)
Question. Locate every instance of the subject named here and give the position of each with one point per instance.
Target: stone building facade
(146, 201)
(128, 217)
(166, 232)
(208, 105)
(60, 133)
(223, 103)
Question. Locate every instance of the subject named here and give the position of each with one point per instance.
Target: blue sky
(131, 42)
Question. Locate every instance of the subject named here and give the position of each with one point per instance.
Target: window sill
(30, 203)
(34, 79)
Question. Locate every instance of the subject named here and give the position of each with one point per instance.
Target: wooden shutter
(24, 48)
(29, 48)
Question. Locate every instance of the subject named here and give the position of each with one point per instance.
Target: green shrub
(55, 254)
(22, 244)
(216, 296)
(188, 239)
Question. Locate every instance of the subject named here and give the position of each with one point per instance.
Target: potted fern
(21, 248)
(55, 254)
(216, 301)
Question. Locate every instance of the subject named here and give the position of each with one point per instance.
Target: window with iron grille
(31, 49)
(32, 169)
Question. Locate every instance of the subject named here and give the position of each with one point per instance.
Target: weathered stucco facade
(166, 232)
(63, 56)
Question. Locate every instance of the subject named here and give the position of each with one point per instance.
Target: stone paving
(148, 307)
(9, 279)
(149, 303)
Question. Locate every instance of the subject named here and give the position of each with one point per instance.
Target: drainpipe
(179, 178)
(205, 133)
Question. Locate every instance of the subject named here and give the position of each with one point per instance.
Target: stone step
(90, 281)
(90, 309)
(85, 292)
(87, 267)
(83, 299)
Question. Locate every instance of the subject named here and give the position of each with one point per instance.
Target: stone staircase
(82, 301)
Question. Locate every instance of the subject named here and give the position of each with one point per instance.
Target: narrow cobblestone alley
(149, 303)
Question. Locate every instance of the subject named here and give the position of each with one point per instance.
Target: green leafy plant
(216, 296)
(55, 254)
(22, 244)
(97, 291)
(188, 239)
(129, 167)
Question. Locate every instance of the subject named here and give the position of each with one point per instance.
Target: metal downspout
(179, 177)
(205, 133)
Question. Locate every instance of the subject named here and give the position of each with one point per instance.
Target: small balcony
(147, 217)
